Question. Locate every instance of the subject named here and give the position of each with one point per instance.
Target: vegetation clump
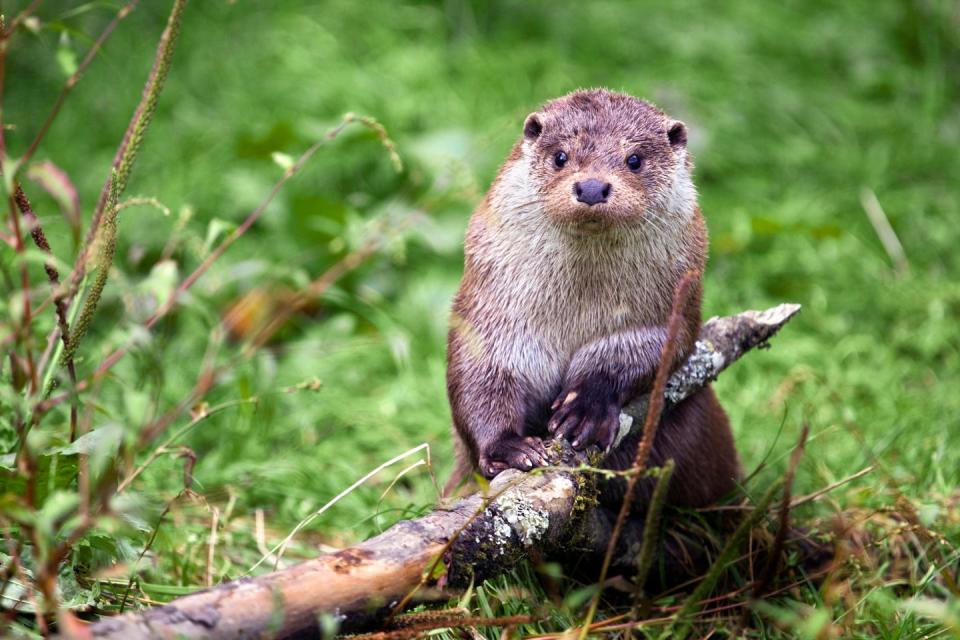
(190, 247)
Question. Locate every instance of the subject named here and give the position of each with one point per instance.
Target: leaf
(100, 444)
(576, 598)
(95, 550)
(285, 161)
(66, 56)
(72, 594)
(166, 591)
(215, 229)
(8, 440)
(154, 291)
(57, 508)
(53, 472)
(93, 442)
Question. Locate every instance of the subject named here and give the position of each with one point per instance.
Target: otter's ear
(677, 134)
(532, 127)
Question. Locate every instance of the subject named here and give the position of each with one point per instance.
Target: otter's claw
(586, 414)
(513, 452)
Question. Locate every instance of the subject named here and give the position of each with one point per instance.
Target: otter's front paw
(586, 413)
(513, 452)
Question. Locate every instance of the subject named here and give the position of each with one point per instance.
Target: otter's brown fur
(560, 317)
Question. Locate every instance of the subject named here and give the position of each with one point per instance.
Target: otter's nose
(592, 191)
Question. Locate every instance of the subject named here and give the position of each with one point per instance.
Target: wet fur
(560, 317)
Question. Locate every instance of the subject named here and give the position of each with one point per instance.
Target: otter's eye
(560, 159)
(634, 162)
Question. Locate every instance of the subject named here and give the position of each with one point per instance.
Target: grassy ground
(798, 113)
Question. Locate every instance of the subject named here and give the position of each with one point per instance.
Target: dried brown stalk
(650, 424)
(36, 232)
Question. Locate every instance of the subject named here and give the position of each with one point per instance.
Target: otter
(571, 262)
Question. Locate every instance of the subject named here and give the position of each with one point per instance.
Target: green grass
(793, 109)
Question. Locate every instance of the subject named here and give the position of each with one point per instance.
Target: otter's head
(602, 160)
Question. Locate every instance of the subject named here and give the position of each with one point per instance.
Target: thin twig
(256, 213)
(147, 547)
(163, 448)
(20, 17)
(27, 317)
(810, 497)
(320, 285)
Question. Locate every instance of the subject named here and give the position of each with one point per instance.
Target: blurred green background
(797, 111)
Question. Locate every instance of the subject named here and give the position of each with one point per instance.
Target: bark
(429, 558)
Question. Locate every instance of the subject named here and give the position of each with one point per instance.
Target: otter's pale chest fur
(552, 290)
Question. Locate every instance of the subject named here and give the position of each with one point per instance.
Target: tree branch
(476, 538)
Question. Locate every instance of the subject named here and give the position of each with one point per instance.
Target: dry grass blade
(277, 551)
(417, 625)
(884, 230)
(810, 497)
(783, 526)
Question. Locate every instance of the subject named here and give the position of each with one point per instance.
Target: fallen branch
(477, 537)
